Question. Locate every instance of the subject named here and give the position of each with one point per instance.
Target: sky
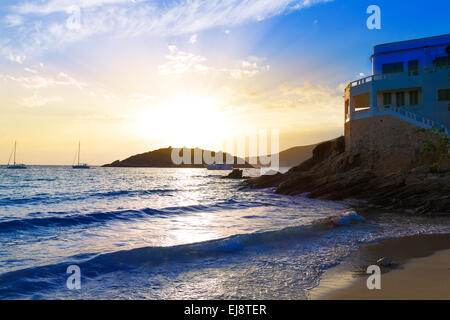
(130, 76)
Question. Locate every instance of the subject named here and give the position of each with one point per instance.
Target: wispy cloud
(180, 62)
(37, 81)
(13, 20)
(55, 6)
(16, 58)
(193, 39)
(248, 68)
(312, 96)
(30, 70)
(44, 24)
(38, 101)
(309, 90)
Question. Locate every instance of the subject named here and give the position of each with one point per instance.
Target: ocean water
(147, 233)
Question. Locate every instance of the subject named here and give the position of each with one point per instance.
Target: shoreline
(420, 270)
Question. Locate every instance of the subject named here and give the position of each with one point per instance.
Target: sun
(191, 121)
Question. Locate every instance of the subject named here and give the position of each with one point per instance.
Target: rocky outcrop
(334, 174)
(235, 174)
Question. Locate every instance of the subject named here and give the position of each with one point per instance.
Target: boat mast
(79, 145)
(15, 147)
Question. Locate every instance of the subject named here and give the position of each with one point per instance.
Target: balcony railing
(416, 118)
(402, 113)
(377, 77)
(392, 76)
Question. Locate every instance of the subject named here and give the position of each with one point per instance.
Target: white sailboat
(15, 165)
(80, 165)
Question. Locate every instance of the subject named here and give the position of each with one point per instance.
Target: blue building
(410, 81)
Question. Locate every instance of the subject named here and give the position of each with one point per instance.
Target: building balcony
(411, 96)
(398, 80)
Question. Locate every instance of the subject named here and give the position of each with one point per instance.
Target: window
(395, 67)
(400, 96)
(444, 95)
(414, 98)
(387, 98)
(442, 62)
(413, 67)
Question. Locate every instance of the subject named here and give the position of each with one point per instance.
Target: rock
(271, 173)
(334, 174)
(420, 170)
(235, 174)
(412, 179)
(384, 262)
(265, 181)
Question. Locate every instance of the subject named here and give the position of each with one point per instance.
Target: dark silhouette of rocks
(162, 158)
(235, 174)
(334, 174)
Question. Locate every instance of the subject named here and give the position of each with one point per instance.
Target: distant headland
(162, 158)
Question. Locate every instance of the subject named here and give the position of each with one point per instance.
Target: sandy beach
(420, 271)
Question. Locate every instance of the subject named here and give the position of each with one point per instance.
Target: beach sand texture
(421, 271)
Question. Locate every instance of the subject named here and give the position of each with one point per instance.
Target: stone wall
(391, 143)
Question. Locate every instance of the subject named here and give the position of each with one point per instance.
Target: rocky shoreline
(334, 174)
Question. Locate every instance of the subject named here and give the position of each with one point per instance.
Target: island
(162, 158)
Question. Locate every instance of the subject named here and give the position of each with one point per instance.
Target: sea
(151, 233)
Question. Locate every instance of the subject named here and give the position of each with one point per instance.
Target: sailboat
(80, 165)
(15, 165)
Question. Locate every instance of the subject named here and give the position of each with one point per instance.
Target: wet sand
(420, 270)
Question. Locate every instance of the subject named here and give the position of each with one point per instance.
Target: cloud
(193, 39)
(248, 68)
(17, 58)
(38, 101)
(31, 82)
(246, 93)
(341, 87)
(30, 70)
(37, 82)
(312, 96)
(44, 24)
(309, 89)
(13, 20)
(64, 79)
(181, 62)
(55, 6)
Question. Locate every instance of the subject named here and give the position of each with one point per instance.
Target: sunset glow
(131, 76)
